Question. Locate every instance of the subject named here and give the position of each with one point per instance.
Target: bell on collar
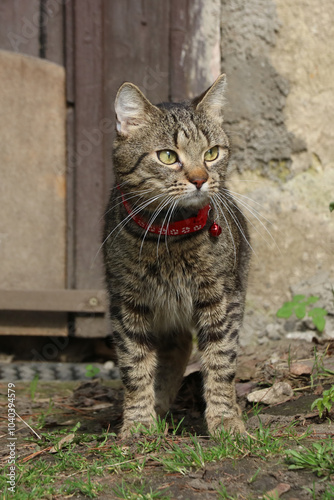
(215, 230)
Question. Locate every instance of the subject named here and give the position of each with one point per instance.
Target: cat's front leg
(137, 359)
(219, 324)
(137, 373)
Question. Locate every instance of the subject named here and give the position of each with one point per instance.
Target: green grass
(319, 458)
(80, 463)
(37, 479)
(138, 492)
(222, 493)
(328, 494)
(160, 427)
(193, 454)
(325, 403)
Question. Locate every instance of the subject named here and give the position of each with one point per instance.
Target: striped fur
(163, 289)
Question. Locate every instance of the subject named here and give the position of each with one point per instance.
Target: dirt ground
(97, 405)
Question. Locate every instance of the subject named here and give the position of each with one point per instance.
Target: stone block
(32, 187)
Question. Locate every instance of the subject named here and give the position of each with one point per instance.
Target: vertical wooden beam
(19, 26)
(179, 40)
(54, 11)
(89, 136)
(70, 202)
(69, 49)
(87, 157)
(136, 50)
(33, 27)
(137, 46)
(194, 46)
(70, 137)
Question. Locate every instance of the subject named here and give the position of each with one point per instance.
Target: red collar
(179, 227)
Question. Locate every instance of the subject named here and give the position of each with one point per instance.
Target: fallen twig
(35, 454)
(25, 423)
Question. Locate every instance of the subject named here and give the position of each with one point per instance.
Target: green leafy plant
(319, 370)
(92, 371)
(88, 487)
(33, 386)
(319, 458)
(138, 492)
(160, 426)
(331, 206)
(328, 494)
(325, 403)
(300, 305)
(222, 493)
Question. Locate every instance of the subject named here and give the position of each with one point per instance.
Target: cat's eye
(211, 154)
(167, 156)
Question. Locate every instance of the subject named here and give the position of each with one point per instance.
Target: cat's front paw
(233, 424)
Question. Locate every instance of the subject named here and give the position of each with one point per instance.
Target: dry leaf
(277, 492)
(319, 390)
(300, 369)
(99, 406)
(65, 440)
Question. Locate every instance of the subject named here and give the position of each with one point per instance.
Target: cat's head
(175, 152)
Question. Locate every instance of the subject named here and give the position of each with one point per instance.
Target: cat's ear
(132, 109)
(212, 100)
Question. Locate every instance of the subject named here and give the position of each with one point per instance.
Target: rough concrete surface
(256, 91)
(304, 55)
(278, 58)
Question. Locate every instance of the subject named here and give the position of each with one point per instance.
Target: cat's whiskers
(137, 209)
(217, 210)
(163, 225)
(255, 214)
(126, 197)
(223, 199)
(239, 195)
(127, 219)
(250, 222)
(173, 208)
(155, 214)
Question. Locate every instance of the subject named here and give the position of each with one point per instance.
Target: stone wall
(279, 61)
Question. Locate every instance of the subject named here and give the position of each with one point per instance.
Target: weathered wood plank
(194, 46)
(69, 49)
(52, 21)
(41, 323)
(89, 137)
(137, 46)
(90, 129)
(19, 26)
(136, 50)
(91, 326)
(70, 206)
(33, 27)
(81, 301)
(179, 40)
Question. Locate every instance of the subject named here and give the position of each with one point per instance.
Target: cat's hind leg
(172, 359)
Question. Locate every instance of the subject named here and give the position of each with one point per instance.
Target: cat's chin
(195, 201)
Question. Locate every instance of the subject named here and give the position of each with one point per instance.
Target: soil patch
(66, 431)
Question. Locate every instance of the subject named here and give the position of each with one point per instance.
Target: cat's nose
(198, 182)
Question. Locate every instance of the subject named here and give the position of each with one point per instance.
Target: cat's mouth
(196, 199)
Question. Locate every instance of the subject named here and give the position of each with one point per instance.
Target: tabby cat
(176, 254)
